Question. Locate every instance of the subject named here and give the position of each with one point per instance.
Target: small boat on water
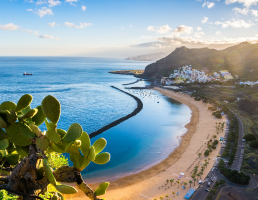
(27, 73)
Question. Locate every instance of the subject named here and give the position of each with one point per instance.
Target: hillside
(148, 57)
(241, 60)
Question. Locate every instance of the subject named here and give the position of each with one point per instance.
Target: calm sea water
(82, 85)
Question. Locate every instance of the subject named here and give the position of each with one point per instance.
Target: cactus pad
(13, 158)
(92, 154)
(2, 134)
(99, 145)
(74, 132)
(48, 172)
(19, 134)
(73, 147)
(11, 117)
(51, 108)
(2, 123)
(8, 105)
(23, 151)
(39, 117)
(85, 146)
(36, 130)
(66, 189)
(23, 102)
(4, 144)
(60, 148)
(53, 136)
(61, 132)
(42, 143)
(29, 114)
(102, 158)
(101, 189)
(79, 161)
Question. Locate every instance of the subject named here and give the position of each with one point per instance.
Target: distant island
(148, 57)
(128, 72)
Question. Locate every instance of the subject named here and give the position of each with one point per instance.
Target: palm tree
(200, 174)
(190, 182)
(161, 197)
(185, 183)
(167, 181)
(178, 183)
(173, 193)
(194, 181)
(192, 176)
(171, 181)
(167, 196)
(199, 154)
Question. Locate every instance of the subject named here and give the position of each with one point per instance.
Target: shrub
(206, 153)
(254, 144)
(249, 137)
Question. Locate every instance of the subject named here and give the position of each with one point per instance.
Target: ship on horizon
(27, 73)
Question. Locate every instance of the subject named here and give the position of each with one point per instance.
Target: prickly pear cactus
(33, 152)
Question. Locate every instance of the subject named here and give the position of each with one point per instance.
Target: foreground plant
(31, 160)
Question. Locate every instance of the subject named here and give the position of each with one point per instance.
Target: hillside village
(188, 75)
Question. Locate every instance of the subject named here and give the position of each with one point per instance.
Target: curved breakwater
(122, 119)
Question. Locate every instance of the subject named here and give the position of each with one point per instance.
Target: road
(215, 174)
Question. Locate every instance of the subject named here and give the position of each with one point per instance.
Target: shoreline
(169, 161)
(149, 183)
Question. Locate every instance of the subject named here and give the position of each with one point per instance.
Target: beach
(151, 183)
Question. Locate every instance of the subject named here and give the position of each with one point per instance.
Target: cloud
(199, 34)
(71, 1)
(46, 36)
(217, 33)
(199, 28)
(40, 2)
(235, 24)
(84, 8)
(246, 3)
(9, 27)
(44, 11)
(208, 4)
(53, 3)
(161, 30)
(131, 26)
(183, 29)
(205, 20)
(53, 24)
(30, 10)
(170, 42)
(243, 11)
(254, 12)
(82, 25)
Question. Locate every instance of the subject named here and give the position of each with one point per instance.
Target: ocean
(82, 85)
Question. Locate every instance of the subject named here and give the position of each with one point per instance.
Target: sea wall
(122, 119)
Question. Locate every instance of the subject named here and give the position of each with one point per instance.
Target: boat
(27, 73)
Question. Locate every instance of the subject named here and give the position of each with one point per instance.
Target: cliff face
(241, 60)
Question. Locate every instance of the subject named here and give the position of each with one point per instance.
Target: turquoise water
(82, 85)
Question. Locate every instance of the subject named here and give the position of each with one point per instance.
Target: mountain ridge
(241, 60)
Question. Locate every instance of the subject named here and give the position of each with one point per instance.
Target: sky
(113, 28)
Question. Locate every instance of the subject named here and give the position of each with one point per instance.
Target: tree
(171, 181)
(185, 183)
(194, 181)
(190, 182)
(178, 182)
(200, 174)
(167, 196)
(249, 137)
(29, 155)
(173, 193)
(161, 197)
(207, 152)
(254, 144)
(167, 181)
(199, 154)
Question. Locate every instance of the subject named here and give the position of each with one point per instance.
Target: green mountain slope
(241, 60)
